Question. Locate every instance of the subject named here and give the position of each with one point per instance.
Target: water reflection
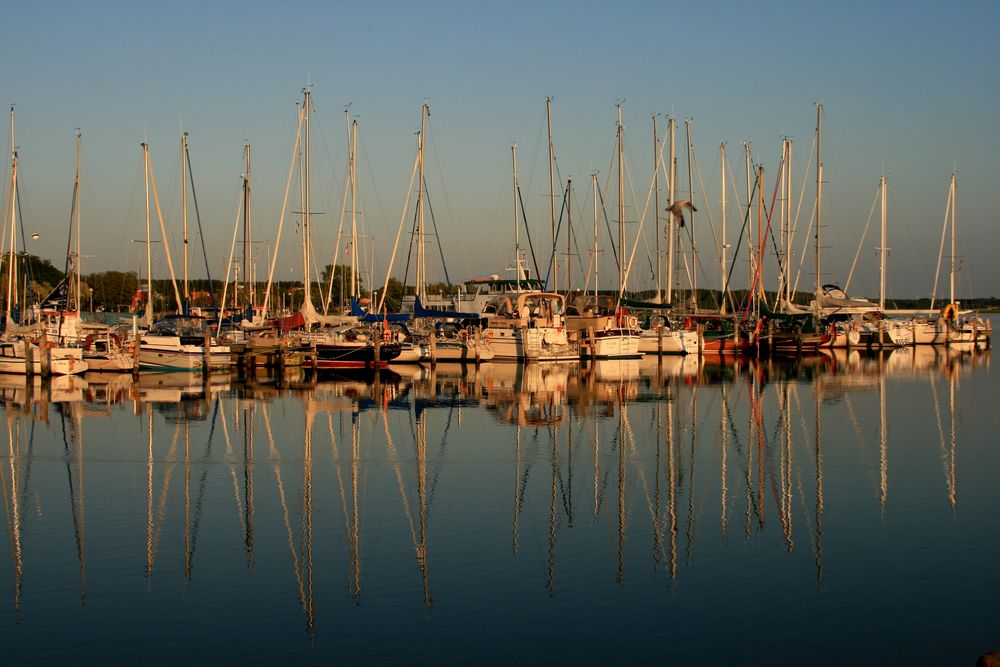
(663, 446)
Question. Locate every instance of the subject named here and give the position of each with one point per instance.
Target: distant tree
(341, 279)
(113, 290)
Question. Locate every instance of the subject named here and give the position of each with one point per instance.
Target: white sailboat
(177, 342)
(18, 353)
(952, 325)
(532, 328)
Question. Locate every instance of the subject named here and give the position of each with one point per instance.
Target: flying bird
(677, 208)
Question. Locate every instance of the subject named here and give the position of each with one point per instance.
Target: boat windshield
(179, 326)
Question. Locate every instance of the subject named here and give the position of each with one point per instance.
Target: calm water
(838, 510)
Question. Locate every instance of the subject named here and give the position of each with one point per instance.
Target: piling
(433, 346)
(378, 352)
(479, 343)
(45, 354)
(659, 344)
(701, 339)
(29, 367)
(207, 352)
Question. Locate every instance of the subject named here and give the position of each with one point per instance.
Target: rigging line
(805, 246)
(607, 224)
(861, 241)
(527, 232)
(552, 256)
(739, 242)
(336, 246)
(444, 190)
(399, 231)
(201, 233)
(409, 252)
(24, 242)
(430, 209)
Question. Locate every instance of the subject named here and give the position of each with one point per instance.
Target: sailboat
(532, 327)
(950, 327)
(19, 354)
(176, 342)
(619, 336)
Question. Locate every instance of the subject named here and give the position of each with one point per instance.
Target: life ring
(386, 335)
(489, 335)
(949, 312)
(633, 322)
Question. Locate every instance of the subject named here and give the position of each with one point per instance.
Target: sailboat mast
(552, 195)
(621, 208)
(671, 235)
(354, 209)
(656, 206)
(149, 256)
(722, 247)
(751, 253)
(694, 244)
(247, 248)
(882, 253)
(788, 218)
(596, 262)
(569, 235)
(307, 280)
(76, 206)
(954, 205)
(184, 214)
(421, 254)
(11, 280)
(783, 224)
(819, 193)
(517, 231)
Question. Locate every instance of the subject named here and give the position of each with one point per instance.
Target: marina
(294, 517)
(499, 334)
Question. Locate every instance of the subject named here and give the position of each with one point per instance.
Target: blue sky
(909, 88)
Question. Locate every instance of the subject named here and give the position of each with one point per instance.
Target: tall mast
(552, 194)
(819, 194)
(76, 206)
(421, 251)
(694, 244)
(882, 252)
(621, 208)
(569, 235)
(149, 256)
(517, 231)
(783, 224)
(751, 254)
(656, 206)
(671, 122)
(722, 248)
(596, 262)
(11, 280)
(184, 215)
(354, 209)
(788, 218)
(247, 229)
(307, 279)
(760, 233)
(954, 205)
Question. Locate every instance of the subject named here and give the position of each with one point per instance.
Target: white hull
(524, 344)
(462, 352)
(616, 344)
(168, 353)
(62, 360)
(114, 363)
(674, 342)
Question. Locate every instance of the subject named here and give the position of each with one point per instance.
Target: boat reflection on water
(644, 452)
